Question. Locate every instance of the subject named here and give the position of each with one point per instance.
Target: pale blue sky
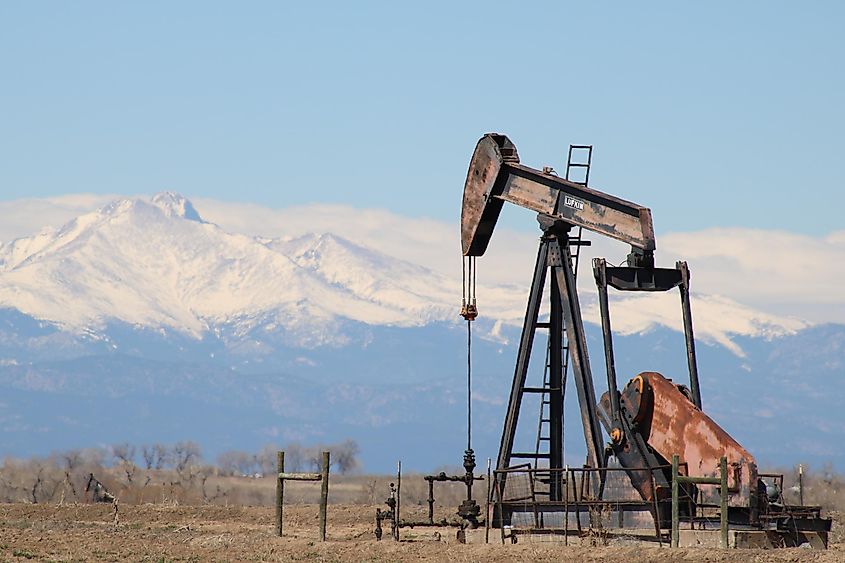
(713, 114)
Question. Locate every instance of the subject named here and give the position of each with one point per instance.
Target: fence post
(487, 514)
(280, 490)
(398, 497)
(723, 469)
(498, 488)
(801, 484)
(675, 524)
(566, 506)
(324, 495)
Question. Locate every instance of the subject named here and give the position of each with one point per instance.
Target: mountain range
(142, 322)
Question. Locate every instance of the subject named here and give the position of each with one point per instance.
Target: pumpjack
(652, 418)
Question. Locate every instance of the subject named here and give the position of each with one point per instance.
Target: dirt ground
(79, 532)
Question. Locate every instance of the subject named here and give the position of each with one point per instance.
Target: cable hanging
(469, 311)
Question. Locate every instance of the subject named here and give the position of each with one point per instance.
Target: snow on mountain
(716, 319)
(402, 286)
(155, 263)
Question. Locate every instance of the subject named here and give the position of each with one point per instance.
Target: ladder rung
(539, 389)
(524, 455)
(541, 325)
(580, 146)
(578, 164)
(579, 242)
(544, 438)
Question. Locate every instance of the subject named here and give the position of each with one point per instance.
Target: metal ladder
(575, 242)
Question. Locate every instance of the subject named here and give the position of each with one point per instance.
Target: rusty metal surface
(579, 205)
(479, 213)
(671, 424)
(495, 176)
(634, 454)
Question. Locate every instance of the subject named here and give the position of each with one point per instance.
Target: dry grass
(168, 532)
(198, 514)
(60, 480)
(823, 487)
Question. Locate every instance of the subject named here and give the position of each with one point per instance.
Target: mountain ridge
(142, 321)
(109, 263)
(156, 263)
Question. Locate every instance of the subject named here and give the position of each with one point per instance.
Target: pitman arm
(495, 176)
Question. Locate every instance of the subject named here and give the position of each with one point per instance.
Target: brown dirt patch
(77, 532)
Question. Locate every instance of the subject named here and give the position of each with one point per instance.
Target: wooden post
(721, 481)
(575, 498)
(800, 484)
(324, 495)
(487, 514)
(675, 524)
(280, 490)
(396, 517)
(566, 482)
(281, 476)
(431, 501)
(723, 469)
(656, 510)
(498, 488)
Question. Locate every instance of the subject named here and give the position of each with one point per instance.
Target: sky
(715, 115)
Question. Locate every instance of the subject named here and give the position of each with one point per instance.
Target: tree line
(154, 472)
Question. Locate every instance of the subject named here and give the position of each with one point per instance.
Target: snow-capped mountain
(190, 331)
(155, 264)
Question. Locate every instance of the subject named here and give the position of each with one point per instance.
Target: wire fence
(582, 501)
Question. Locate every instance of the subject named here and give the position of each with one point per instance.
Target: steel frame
(565, 317)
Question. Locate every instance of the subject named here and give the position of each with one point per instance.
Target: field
(170, 532)
(171, 516)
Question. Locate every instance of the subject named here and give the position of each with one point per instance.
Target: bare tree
(36, 484)
(63, 474)
(125, 455)
(93, 457)
(248, 464)
(155, 456)
(219, 492)
(236, 462)
(227, 462)
(43, 479)
(70, 460)
(12, 487)
(313, 457)
(185, 456)
(266, 460)
(148, 453)
(345, 456)
(161, 456)
(295, 457)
